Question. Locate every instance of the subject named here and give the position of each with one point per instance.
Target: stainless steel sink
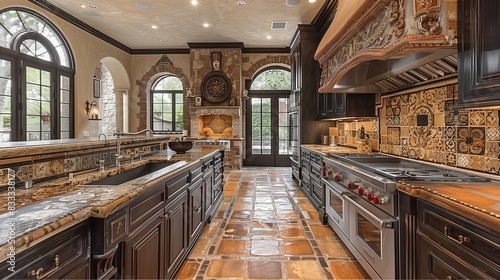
(131, 174)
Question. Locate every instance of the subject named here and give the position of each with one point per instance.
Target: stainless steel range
(362, 203)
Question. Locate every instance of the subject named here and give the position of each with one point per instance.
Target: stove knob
(338, 178)
(369, 196)
(361, 191)
(352, 185)
(378, 200)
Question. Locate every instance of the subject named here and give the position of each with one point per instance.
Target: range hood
(390, 45)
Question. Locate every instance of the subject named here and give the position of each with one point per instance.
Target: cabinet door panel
(176, 234)
(143, 256)
(479, 53)
(196, 209)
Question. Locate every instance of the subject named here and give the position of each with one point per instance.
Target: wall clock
(215, 87)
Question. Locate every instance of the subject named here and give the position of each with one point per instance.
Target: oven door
(373, 234)
(336, 206)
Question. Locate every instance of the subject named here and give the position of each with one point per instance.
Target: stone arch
(164, 65)
(281, 60)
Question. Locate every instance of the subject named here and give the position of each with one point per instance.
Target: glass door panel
(5, 100)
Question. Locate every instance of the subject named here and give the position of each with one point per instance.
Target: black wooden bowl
(180, 147)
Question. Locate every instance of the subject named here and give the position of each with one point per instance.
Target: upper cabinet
(479, 53)
(342, 105)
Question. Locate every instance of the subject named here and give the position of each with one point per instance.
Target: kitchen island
(111, 219)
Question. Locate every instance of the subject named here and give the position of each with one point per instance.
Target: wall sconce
(189, 93)
(91, 110)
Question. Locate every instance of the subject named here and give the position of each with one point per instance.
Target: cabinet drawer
(54, 257)
(316, 158)
(438, 263)
(460, 236)
(116, 227)
(176, 185)
(145, 206)
(196, 172)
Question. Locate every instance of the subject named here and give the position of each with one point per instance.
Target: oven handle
(335, 189)
(387, 222)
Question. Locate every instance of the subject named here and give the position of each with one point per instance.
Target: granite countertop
(476, 201)
(54, 205)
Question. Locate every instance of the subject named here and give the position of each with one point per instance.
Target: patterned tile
(476, 118)
(451, 146)
(450, 132)
(476, 162)
(492, 149)
(451, 159)
(492, 165)
(463, 161)
(493, 134)
(462, 132)
(492, 118)
(394, 135)
(449, 119)
(25, 172)
(463, 119)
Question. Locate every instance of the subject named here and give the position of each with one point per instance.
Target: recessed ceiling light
(143, 6)
(194, 2)
(206, 25)
(312, 1)
(269, 37)
(154, 26)
(83, 6)
(241, 3)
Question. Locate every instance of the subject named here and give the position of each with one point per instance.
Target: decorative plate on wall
(215, 87)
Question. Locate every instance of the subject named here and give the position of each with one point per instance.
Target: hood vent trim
(392, 45)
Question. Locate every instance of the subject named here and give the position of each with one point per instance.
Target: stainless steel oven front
(373, 233)
(336, 205)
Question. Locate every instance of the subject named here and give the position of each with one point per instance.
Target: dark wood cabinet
(305, 75)
(176, 230)
(311, 183)
(450, 246)
(63, 255)
(478, 53)
(196, 215)
(341, 105)
(143, 250)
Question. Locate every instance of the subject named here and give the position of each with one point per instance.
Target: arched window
(34, 58)
(167, 104)
(272, 79)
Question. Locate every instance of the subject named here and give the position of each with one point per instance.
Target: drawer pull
(39, 272)
(119, 228)
(461, 239)
(197, 208)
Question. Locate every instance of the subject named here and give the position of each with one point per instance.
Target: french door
(267, 127)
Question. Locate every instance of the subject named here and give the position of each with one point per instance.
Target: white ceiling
(180, 23)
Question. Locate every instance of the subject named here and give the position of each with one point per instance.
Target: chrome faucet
(118, 135)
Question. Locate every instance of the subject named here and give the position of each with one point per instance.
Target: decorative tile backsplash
(425, 125)
(43, 168)
(349, 132)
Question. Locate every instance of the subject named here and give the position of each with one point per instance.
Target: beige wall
(87, 51)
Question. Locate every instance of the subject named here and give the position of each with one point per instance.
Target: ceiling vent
(279, 25)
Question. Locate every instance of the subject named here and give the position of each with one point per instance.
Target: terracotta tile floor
(267, 229)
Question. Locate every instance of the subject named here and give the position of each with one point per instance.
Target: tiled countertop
(52, 206)
(476, 201)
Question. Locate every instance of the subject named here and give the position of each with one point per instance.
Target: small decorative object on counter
(232, 101)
